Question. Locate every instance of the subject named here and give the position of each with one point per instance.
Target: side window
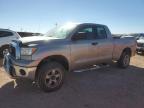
(100, 32)
(87, 32)
(5, 34)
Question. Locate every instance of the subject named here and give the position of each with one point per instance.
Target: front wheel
(124, 60)
(51, 76)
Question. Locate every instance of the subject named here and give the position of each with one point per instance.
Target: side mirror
(79, 36)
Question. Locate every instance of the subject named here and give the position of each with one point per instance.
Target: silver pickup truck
(46, 59)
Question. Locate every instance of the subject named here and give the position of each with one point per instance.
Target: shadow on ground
(103, 88)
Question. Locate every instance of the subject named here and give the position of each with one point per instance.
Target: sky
(121, 16)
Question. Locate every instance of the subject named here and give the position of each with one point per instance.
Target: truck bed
(121, 42)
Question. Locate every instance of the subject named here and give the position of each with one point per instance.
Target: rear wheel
(124, 60)
(51, 76)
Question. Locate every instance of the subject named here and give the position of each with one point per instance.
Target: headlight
(27, 51)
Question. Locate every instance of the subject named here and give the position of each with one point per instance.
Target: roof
(91, 24)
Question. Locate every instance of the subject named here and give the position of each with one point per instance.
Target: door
(81, 50)
(103, 49)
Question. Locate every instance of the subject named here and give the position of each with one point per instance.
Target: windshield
(61, 32)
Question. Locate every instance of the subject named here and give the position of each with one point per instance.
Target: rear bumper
(15, 70)
(140, 49)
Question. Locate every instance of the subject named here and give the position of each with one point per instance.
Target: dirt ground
(109, 87)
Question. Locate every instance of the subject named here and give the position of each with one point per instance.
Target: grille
(140, 44)
(12, 51)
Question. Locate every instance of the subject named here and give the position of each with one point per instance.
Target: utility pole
(56, 24)
(21, 29)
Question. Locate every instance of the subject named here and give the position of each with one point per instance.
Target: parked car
(48, 58)
(140, 45)
(6, 37)
(137, 35)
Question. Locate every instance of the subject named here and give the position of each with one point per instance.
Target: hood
(140, 41)
(36, 40)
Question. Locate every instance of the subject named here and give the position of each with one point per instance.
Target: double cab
(46, 59)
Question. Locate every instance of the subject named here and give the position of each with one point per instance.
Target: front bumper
(20, 69)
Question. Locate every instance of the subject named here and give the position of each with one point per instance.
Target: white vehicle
(6, 36)
(140, 45)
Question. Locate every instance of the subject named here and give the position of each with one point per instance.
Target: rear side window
(100, 32)
(5, 33)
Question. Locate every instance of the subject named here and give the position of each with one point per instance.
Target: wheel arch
(3, 46)
(128, 50)
(56, 58)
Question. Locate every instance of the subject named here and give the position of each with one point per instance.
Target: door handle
(94, 43)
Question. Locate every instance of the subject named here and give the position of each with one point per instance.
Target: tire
(1, 54)
(124, 60)
(51, 76)
(3, 51)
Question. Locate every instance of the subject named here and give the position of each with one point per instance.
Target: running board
(95, 67)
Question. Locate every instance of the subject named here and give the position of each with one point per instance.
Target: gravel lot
(108, 87)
